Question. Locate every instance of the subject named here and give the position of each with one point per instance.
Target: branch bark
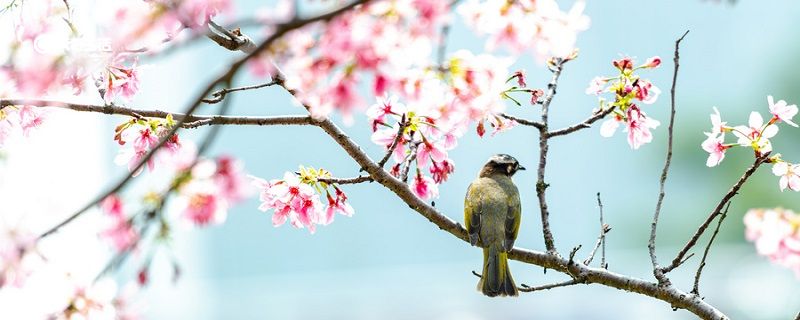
(651, 245)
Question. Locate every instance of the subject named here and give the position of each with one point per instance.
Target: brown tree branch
(679, 258)
(218, 95)
(354, 180)
(651, 244)
(191, 121)
(525, 122)
(696, 289)
(399, 136)
(583, 125)
(526, 288)
(541, 186)
(601, 240)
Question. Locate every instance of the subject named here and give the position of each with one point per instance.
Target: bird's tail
(496, 279)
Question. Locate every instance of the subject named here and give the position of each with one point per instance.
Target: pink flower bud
(653, 62)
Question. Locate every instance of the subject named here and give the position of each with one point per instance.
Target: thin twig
(526, 288)
(354, 180)
(541, 186)
(601, 239)
(525, 122)
(679, 258)
(442, 50)
(398, 136)
(412, 155)
(218, 95)
(583, 125)
(695, 289)
(651, 244)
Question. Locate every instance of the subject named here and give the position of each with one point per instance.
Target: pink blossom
(339, 204)
(638, 127)
(230, 179)
(15, 255)
(291, 200)
(646, 91)
(424, 187)
(92, 302)
(205, 208)
(652, 62)
(775, 234)
(441, 170)
(610, 126)
(387, 106)
(782, 110)
(119, 80)
(715, 147)
(30, 118)
(789, 173)
(113, 206)
(596, 86)
(122, 235)
(429, 151)
(755, 134)
(717, 126)
(624, 64)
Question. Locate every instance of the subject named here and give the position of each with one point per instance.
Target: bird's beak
(520, 168)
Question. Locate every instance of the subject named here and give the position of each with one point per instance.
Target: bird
(492, 212)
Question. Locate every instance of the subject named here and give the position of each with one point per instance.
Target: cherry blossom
(424, 187)
(441, 170)
(296, 198)
(717, 126)
(338, 204)
(782, 111)
(789, 173)
(16, 258)
(627, 87)
(638, 126)
(756, 134)
(522, 25)
(715, 147)
(143, 135)
(652, 62)
(20, 120)
(119, 80)
(92, 302)
(209, 189)
(775, 234)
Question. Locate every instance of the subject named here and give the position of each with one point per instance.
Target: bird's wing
(472, 215)
(513, 217)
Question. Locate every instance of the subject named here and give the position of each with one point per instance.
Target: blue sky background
(388, 262)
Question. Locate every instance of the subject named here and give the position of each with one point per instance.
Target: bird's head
(501, 164)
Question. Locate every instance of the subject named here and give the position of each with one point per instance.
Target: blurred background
(388, 262)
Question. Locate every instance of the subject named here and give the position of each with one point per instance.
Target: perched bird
(492, 213)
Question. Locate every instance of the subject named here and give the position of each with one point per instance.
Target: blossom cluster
(755, 135)
(16, 120)
(628, 88)
(16, 256)
(528, 24)
(776, 235)
(296, 198)
(141, 135)
(120, 232)
(49, 52)
(206, 192)
(382, 41)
